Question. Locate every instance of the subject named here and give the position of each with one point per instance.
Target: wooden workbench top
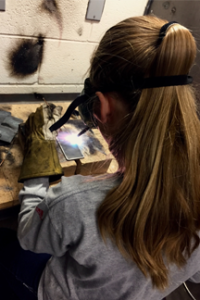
(93, 163)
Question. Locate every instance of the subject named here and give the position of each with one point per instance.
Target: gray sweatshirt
(62, 221)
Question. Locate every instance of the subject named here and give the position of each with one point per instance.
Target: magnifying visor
(85, 103)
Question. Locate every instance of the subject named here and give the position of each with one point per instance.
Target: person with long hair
(132, 235)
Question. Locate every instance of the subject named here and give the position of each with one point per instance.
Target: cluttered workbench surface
(97, 157)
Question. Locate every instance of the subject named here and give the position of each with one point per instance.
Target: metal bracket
(95, 9)
(3, 5)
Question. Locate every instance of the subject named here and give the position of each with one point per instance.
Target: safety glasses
(85, 103)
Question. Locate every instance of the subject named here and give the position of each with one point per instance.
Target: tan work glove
(40, 155)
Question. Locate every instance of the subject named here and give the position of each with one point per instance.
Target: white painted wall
(66, 56)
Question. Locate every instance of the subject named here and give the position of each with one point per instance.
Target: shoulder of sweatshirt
(78, 186)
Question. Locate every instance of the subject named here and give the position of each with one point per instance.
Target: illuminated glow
(74, 139)
(71, 138)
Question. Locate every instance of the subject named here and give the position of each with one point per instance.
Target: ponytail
(154, 214)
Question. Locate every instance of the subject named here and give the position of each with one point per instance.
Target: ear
(105, 107)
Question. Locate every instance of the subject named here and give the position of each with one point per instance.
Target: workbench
(96, 163)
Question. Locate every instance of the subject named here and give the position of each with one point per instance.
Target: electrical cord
(188, 291)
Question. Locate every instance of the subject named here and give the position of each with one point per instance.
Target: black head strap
(162, 81)
(145, 83)
(163, 31)
(68, 113)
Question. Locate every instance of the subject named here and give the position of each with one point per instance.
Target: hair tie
(163, 31)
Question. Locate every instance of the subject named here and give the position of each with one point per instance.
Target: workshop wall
(46, 45)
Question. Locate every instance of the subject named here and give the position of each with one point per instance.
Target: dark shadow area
(11, 212)
(9, 217)
(31, 98)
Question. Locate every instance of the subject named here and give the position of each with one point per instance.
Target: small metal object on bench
(8, 126)
(2, 5)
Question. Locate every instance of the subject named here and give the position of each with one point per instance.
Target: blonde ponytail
(154, 214)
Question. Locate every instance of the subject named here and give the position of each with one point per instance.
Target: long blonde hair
(154, 214)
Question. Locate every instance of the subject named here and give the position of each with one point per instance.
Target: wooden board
(113, 167)
(94, 162)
